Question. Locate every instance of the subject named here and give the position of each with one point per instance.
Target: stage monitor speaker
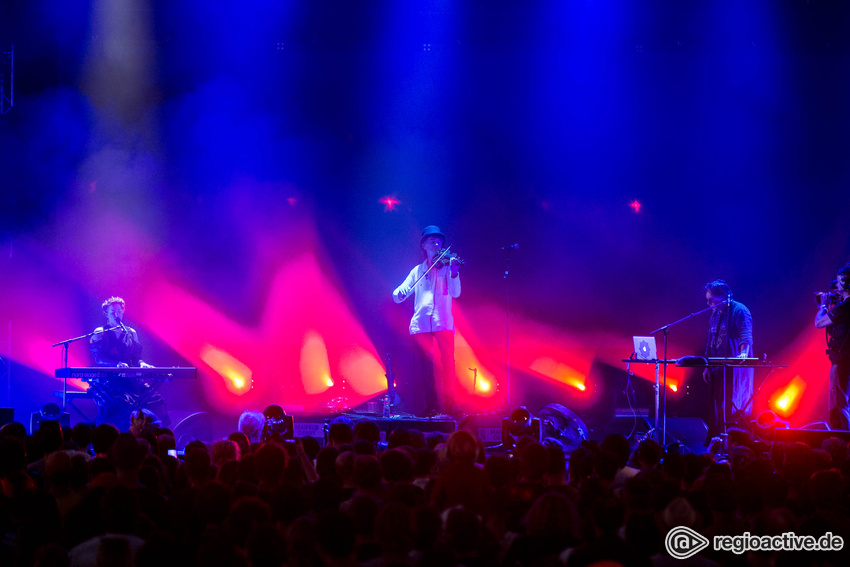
(812, 437)
(446, 426)
(7, 415)
(194, 427)
(388, 426)
(511, 431)
(629, 426)
(691, 431)
(36, 418)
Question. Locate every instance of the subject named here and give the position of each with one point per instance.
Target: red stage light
(786, 399)
(559, 372)
(635, 205)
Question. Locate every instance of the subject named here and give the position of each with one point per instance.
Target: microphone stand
(666, 330)
(507, 327)
(64, 344)
(725, 354)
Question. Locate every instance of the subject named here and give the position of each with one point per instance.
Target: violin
(444, 258)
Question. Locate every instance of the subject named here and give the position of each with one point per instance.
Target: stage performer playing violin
(434, 283)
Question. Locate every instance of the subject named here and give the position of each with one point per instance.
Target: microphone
(121, 324)
(510, 247)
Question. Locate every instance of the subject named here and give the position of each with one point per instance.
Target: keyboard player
(116, 345)
(730, 335)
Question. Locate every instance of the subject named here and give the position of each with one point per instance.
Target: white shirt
(432, 309)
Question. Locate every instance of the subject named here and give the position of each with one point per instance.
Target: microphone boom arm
(682, 320)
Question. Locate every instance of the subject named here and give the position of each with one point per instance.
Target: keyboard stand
(70, 397)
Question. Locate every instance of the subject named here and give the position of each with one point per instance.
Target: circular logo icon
(682, 542)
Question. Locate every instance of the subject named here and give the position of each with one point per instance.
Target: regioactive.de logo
(682, 542)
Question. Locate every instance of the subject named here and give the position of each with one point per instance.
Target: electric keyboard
(160, 373)
(732, 361)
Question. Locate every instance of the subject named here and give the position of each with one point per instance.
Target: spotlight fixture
(562, 427)
(521, 417)
(520, 423)
(769, 420)
(277, 423)
(49, 412)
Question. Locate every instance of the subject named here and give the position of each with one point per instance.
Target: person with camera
(432, 320)
(835, 318)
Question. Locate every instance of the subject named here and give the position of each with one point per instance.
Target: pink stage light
(314, 365)
(236, 374)
(363, 368)
(389, 202)
(303, 343)
(43, 312)
(538, 351)
(465, 358)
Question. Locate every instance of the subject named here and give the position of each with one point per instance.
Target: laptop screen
(645, 348)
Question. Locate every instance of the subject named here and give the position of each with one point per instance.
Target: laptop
(645, 348)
